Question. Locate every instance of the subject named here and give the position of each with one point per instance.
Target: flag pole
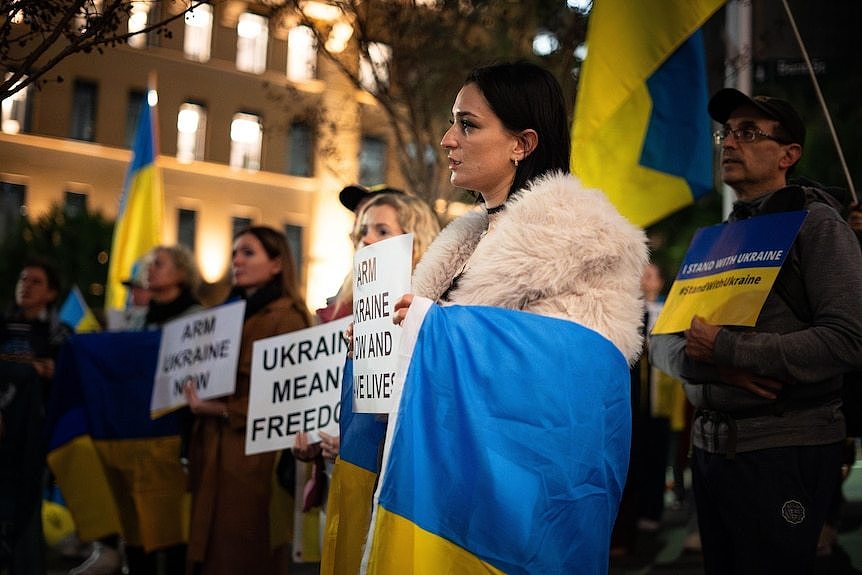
(737, 71)
(822, 102)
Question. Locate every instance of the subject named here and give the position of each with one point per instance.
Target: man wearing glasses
(768, 430)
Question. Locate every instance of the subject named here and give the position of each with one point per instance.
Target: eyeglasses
(744, 135)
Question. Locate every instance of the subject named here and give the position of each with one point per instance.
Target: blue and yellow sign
(728, 271)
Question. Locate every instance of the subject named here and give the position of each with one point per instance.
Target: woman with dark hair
(543, 243)
(231, 491)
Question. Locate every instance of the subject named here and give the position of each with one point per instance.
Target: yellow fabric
(57, 522)
(668, 399)
(348, 517)
(131, 487)
(82, 479)
(137, 230)
(402, 547)
(149, 487)
(628, 41)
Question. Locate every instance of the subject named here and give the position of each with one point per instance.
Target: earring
(515, 161)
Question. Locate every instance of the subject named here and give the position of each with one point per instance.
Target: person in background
(382, 215)
(30, 338)
(769, 432)
(168, 279)
(231, 491)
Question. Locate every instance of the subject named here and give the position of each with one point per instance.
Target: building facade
(255, 127)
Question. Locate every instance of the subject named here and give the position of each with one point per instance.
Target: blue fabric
(678, 139)
(512, 439)
(103, 386)
(361, 433)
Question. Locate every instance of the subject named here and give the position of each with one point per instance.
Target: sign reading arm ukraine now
(728, 271)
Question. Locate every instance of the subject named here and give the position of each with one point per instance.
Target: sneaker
(104, 560)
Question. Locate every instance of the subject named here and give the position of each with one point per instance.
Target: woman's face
(379, 222)
(480, 148)
(251, 265)
(163, 273)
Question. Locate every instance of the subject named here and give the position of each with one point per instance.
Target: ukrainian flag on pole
(641, 132)
(138, 226)
(509, 452)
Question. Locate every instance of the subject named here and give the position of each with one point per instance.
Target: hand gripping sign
(381, 275)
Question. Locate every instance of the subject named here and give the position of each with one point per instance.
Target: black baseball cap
(725, 101)
(351, 197)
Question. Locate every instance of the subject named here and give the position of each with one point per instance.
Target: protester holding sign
(232, 492)
(382, 216)
(768, 431)
(543, 244)
(30, 338)
(156, 480)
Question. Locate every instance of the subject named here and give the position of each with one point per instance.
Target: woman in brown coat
(231, 491)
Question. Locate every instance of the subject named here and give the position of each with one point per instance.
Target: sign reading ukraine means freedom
(200, 348)
(381, 275)
(295, 386)
(728, 271)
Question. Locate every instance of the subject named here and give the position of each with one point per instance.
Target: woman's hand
(303, 450)
(44, 367)
(402, 306)
(330, 445)
(348, 337)
(203, 406)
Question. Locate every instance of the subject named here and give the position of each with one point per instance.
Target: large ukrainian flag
(510, 450)
(641, 132)
(351, 490)
(138, 225)
(119, 470)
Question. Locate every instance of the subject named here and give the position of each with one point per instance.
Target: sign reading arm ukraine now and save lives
(728, 271)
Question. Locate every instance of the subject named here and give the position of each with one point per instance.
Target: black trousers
(762, 511)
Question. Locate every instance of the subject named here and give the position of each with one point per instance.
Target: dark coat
(230, 522)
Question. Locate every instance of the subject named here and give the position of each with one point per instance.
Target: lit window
(239, 224)
(133, 111)
(198, 33)
(300, 150)
(301, 54)
(75, 204)
(252, 33)
(84, 101)
(294, 242)
(372, 161)
(137, 22)
(246, 137)
(191, 132)
(14, 114)
(187, 224)
(374, 69)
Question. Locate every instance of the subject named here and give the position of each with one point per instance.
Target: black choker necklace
(496, 209)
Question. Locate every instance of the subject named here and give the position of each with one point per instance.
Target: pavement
(661, 552)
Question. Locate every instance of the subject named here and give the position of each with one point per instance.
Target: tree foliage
(36, 35)
(77, 244)
(433, 47)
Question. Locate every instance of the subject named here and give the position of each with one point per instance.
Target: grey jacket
(810, 354)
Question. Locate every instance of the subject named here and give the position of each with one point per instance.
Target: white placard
(295, 386)
(202, 348)
(381, 275)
